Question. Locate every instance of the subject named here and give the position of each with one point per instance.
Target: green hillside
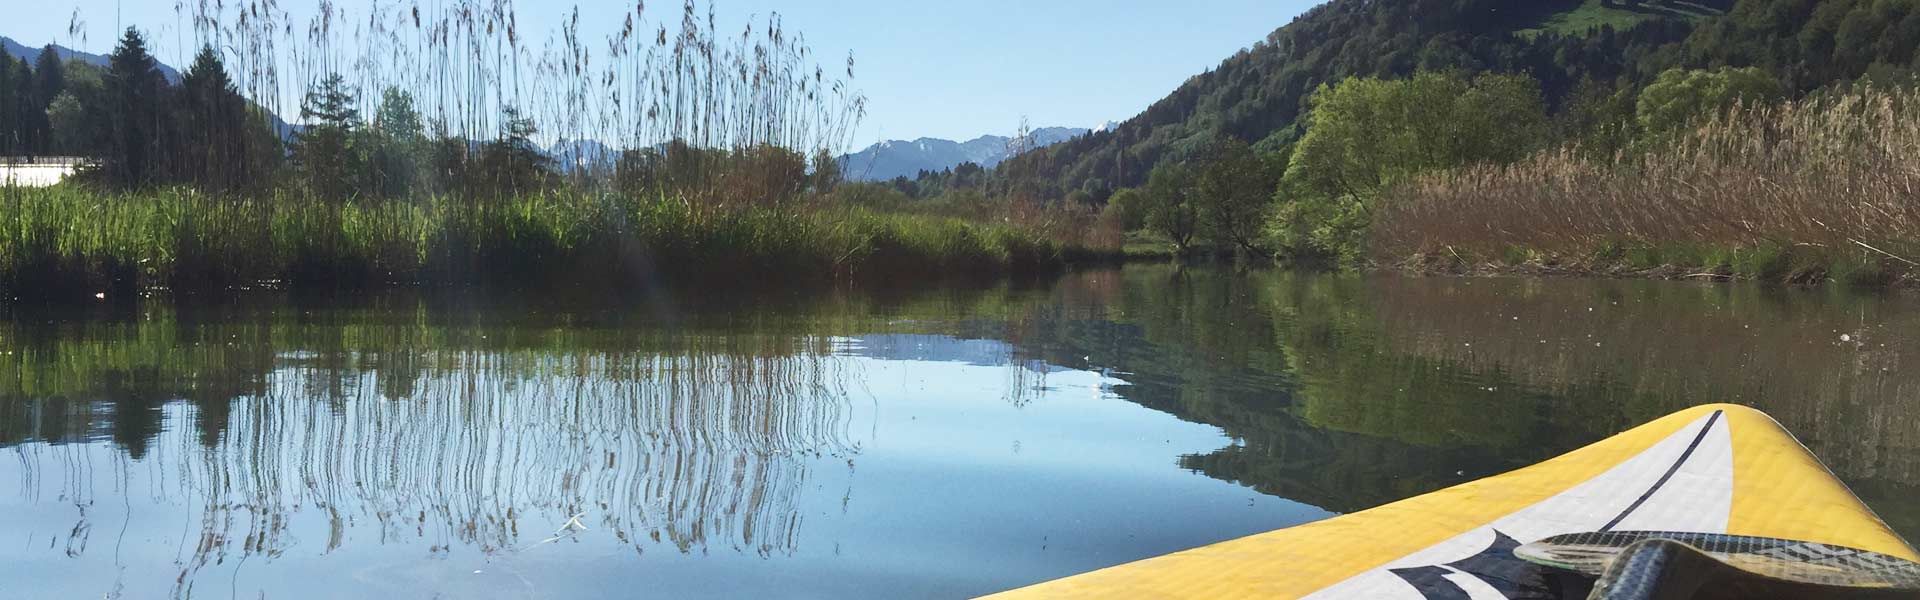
(1594, 14)
(1589, 48)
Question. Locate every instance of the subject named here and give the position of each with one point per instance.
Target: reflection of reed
(699, 446)
(1668, 345)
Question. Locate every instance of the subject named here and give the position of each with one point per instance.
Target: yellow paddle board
(1718, 469)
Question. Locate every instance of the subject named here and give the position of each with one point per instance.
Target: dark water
(933, 444)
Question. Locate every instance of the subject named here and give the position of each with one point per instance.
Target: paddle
(1665, 565)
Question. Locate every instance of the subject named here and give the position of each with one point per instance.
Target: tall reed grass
(1815, 189)
(68, 242)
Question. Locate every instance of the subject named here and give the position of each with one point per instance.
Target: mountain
(18, 50)
(570, 155)
(897, 158)
(1589, 48)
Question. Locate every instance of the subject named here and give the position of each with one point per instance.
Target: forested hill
(1577, 49)
(31, 54)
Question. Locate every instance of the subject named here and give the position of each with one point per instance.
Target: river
(932, 443)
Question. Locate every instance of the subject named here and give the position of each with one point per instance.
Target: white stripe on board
(1696, 496)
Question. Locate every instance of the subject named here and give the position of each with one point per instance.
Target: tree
(50, 81)
(1367, 134)
(1232, 194)
(324, 155)
(219, 134)
(1129, 205)
(826, 172)
(1169, 204)
(9, 125)
(132, 111)
(25, 104)
(1679, 96)
(511, 161)
(76, 117)
(399, 145)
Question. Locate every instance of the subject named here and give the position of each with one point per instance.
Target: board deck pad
(1716, 469)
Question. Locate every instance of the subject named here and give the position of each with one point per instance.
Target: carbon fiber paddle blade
(1785, 560)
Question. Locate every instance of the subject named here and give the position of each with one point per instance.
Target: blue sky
(951, 69)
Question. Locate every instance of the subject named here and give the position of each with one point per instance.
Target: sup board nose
(1718, 469)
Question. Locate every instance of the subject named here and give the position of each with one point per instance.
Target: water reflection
(687, 439)
(1348, 392)
(943, 443)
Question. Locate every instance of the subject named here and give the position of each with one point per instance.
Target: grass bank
(70, 242)
(1815, 190)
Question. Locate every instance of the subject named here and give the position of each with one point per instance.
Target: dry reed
(1804, 190)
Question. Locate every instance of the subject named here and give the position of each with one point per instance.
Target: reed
(1816, 189)
(68, 242)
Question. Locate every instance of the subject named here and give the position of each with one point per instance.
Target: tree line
(27, 91)
(1316, 200)
(448, 100)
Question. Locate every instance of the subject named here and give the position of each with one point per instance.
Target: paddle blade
(1785, 561)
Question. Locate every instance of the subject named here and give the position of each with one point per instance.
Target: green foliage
(1129, 205)
(1680, 96)
(324, 155)
(1806, 45)
(1233, 194)
(1261, 93)
(1170, 208)
(67, 242)
(1618, 15)
(1369, 134)
(132, 105)
(220, 143)
(398, 148)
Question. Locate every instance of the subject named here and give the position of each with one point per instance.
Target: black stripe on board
(1675, 467)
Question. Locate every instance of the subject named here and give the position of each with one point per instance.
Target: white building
(38, 171)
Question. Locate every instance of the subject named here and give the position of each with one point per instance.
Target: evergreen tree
(132, 105)
(8, 124)
(25, 104)
(50, 80)
(324, 154)
(220, 137)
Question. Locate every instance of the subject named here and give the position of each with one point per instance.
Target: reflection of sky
(936, 348)
(954, 491)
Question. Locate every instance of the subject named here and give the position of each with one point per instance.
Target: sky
(952, 70)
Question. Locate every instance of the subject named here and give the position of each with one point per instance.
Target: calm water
(936, 444)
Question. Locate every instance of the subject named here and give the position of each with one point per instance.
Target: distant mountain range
(898, 158)
(32, 53)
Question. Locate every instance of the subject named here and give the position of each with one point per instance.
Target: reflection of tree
(692, 439)
(1347, 392)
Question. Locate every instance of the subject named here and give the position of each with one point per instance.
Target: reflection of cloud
(493, 450)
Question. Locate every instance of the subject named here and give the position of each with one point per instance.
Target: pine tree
(8, 124)
(50, 80)
(134, 86)
(324, 153)
(214, 121)
(25, 103)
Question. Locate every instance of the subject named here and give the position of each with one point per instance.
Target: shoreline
(1816, 276)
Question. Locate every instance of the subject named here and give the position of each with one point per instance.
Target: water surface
(857, 444)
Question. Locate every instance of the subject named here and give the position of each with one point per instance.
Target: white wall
(33, 175)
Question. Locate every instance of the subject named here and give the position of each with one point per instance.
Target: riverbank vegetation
(1759, 139)
(440, 145)
(74, 243)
